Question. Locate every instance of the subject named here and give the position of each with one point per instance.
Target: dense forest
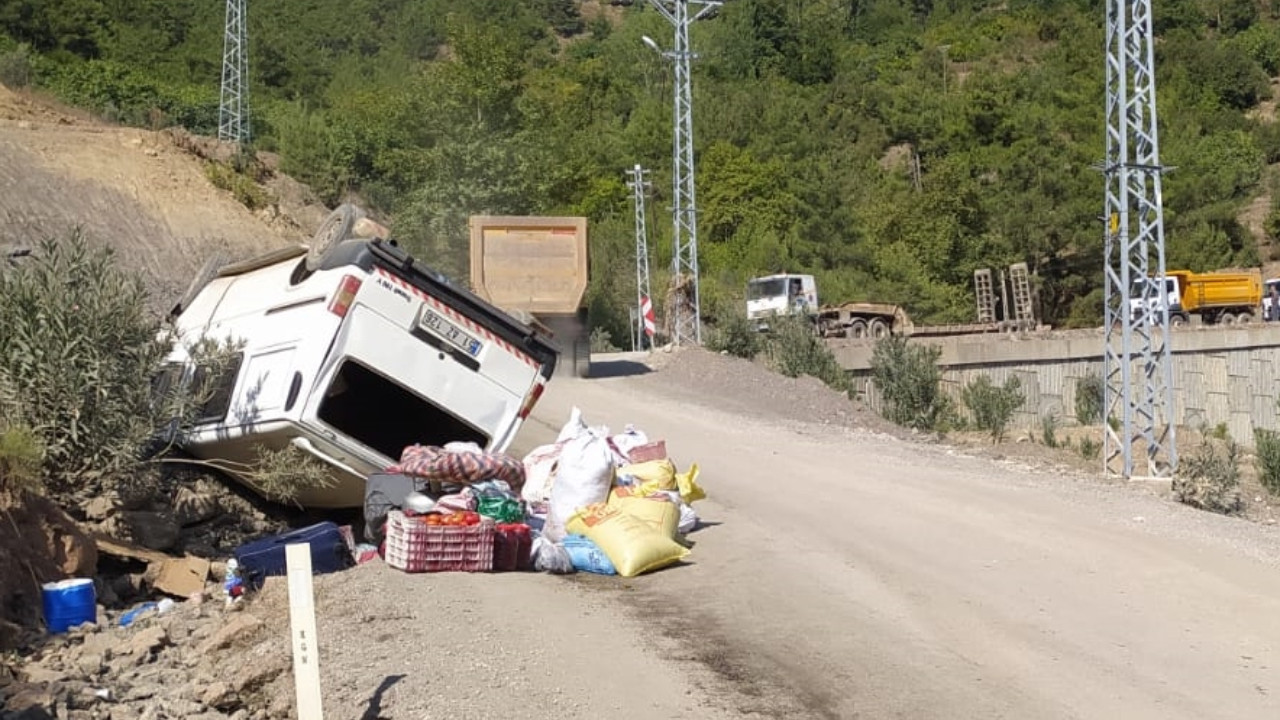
(891, 147)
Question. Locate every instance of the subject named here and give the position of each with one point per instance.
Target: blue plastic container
(68, 603)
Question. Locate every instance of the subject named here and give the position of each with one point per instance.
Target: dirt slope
(134, 190)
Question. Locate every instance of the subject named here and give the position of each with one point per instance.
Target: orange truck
(1217, 298)
(535, 268)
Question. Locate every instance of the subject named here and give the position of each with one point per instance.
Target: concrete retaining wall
(1220, 375)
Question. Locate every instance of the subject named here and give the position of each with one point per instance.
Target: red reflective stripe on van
(457, 316)
(532, 398)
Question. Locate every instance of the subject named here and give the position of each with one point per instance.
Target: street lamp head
(648, 41)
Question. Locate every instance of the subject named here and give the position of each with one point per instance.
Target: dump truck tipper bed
(536, 268)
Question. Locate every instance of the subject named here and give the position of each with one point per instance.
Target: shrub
(1210, 479)
(910, 383)
(602, 341)
(1049, 430)
(77, 340)
(245, 190)
(1089, 399)
(280, 474)
(993, 406)
(1267, 446)
(794, 349)
(1220, 432)
(15, 66)
(1089, 448)
(737, 336)
(21, 455)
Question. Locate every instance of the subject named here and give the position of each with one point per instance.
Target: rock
(29, 702)
(90, 664)
(220, 695)
(260, 672)
(106, 593)
(139, 692)
(281, 706)
(70, 547)
(152, 530)
(146, 640)
(241, 624)
(40, 675)
(130, 586)
(192, 506)
(99, 508)
(103, 644)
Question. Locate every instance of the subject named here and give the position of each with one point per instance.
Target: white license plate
(447, 329)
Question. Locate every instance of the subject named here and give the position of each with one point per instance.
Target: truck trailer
(797, 295)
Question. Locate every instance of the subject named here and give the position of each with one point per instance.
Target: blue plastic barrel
(68, 603)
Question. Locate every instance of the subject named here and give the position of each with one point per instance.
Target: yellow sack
(631, 544)
(656, 474)
(690, 490)
(658, 510)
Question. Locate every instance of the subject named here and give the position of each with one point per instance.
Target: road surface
(849, 574)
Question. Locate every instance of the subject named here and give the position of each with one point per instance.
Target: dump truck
(797, 294)
(535, 268)
(1215, 298)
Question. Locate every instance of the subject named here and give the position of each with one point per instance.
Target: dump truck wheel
(1226, 318)
(1244, 318)
(878, 329)
(335, 228)
(857, 329)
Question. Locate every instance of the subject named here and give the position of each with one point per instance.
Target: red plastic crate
(414, 546)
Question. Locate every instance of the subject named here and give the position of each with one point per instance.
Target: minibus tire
(335, 228)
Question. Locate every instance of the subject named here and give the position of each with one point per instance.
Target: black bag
(384, 492)
(265, 557)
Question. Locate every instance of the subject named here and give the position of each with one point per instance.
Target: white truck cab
(1269, 313)
(780, 294)
(351, 351)
(1170, 300)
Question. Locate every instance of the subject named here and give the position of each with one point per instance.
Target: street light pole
(684, 305)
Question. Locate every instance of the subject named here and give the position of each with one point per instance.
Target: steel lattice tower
(233, 108)
(685, 317)
(640, 187)
(1138, 395)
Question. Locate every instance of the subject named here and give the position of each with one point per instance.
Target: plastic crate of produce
(413, 546)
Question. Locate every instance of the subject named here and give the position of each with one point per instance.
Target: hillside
(889, 147)
(145, 194)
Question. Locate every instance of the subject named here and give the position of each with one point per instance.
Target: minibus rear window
(387, 417)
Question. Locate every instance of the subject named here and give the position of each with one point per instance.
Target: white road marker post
(302, 621)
